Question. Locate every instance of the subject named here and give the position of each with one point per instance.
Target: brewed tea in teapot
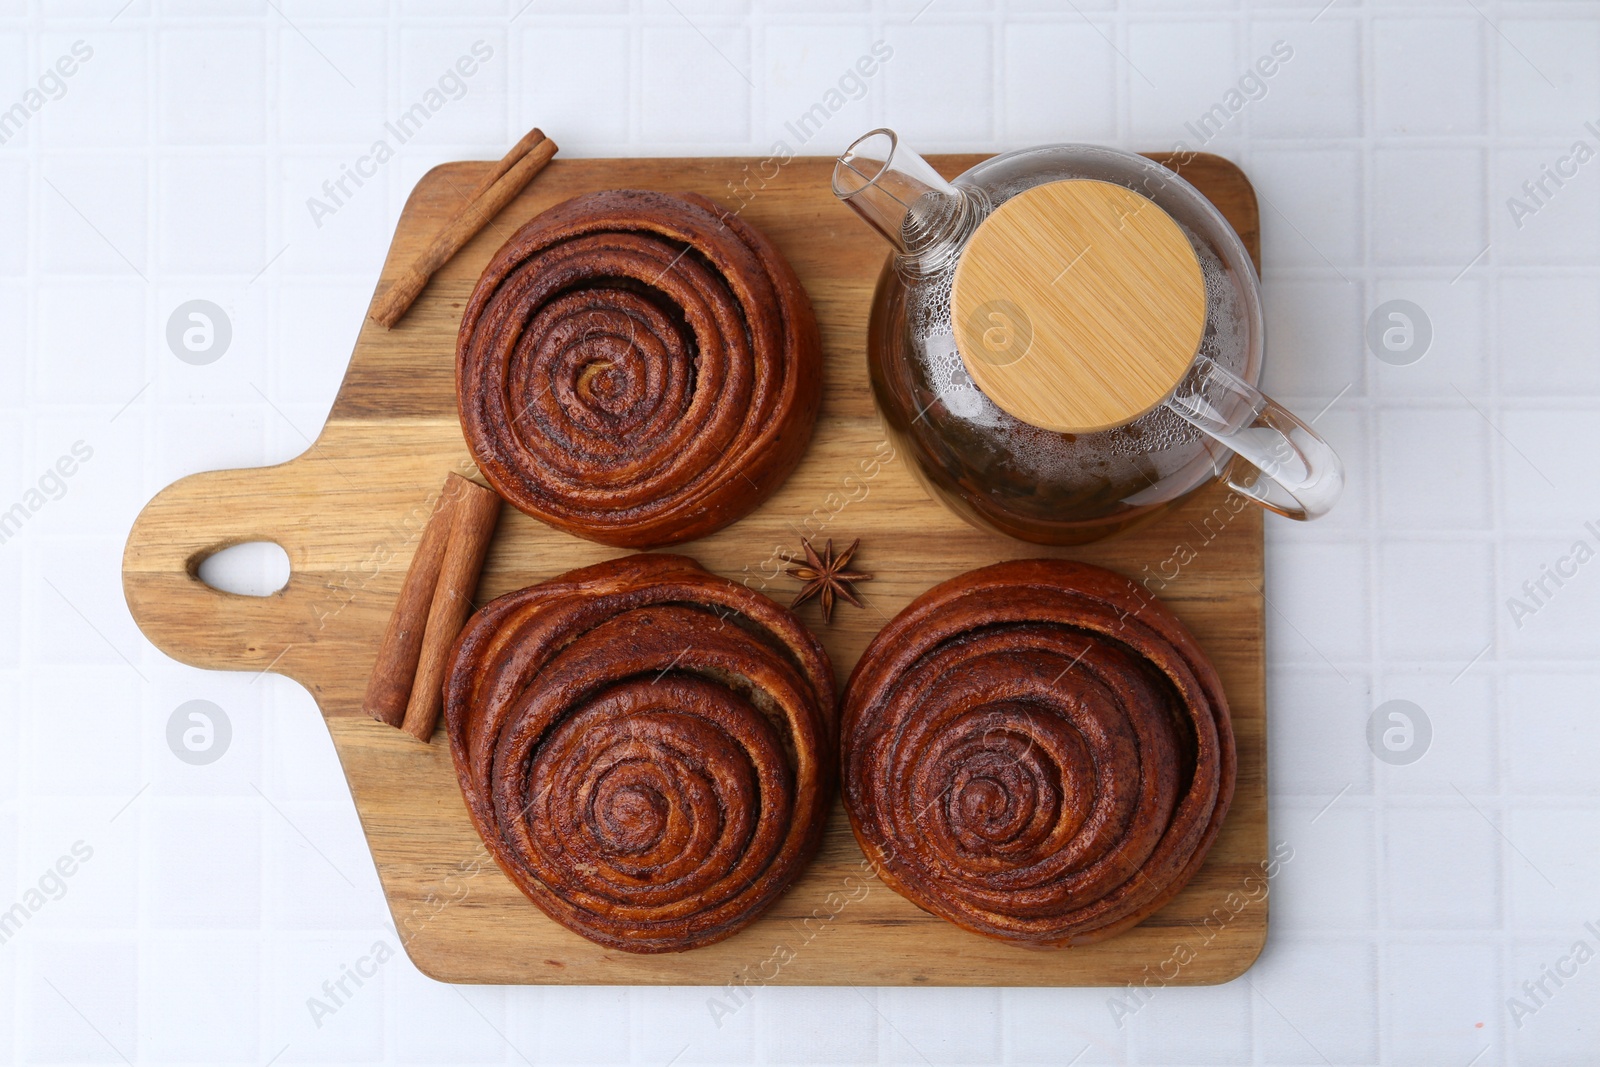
(1067, 339)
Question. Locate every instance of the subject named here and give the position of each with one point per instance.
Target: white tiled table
(177, 165)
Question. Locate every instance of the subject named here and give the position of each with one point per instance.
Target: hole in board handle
(254, 568)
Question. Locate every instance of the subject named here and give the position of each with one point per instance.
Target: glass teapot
(1067, 341)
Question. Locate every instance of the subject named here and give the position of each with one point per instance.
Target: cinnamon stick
(529, 141)
(509, 176)
(475, 512)
(389, 688)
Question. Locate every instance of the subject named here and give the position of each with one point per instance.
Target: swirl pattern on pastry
(1037, 751)
(647, 749)
(638, 369)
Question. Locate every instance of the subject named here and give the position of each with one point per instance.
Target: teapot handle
(1287, 467)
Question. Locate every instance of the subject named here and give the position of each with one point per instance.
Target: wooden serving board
(349, 510)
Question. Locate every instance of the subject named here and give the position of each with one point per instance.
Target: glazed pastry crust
(648, 750)
(638, 369)
(1037, 751)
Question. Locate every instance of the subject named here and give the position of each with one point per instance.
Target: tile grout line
(1383, 1036)
(1497, 502)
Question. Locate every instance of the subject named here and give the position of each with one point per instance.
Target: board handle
(197, 624)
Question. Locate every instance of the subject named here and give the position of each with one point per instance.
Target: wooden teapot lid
(1078, 305)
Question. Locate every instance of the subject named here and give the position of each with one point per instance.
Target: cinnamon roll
(638, 369)
(1037, 751)
(647, 749)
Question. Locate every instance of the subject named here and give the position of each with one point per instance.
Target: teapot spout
(900, 195)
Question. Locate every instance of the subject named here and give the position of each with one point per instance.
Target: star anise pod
(825, 577)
